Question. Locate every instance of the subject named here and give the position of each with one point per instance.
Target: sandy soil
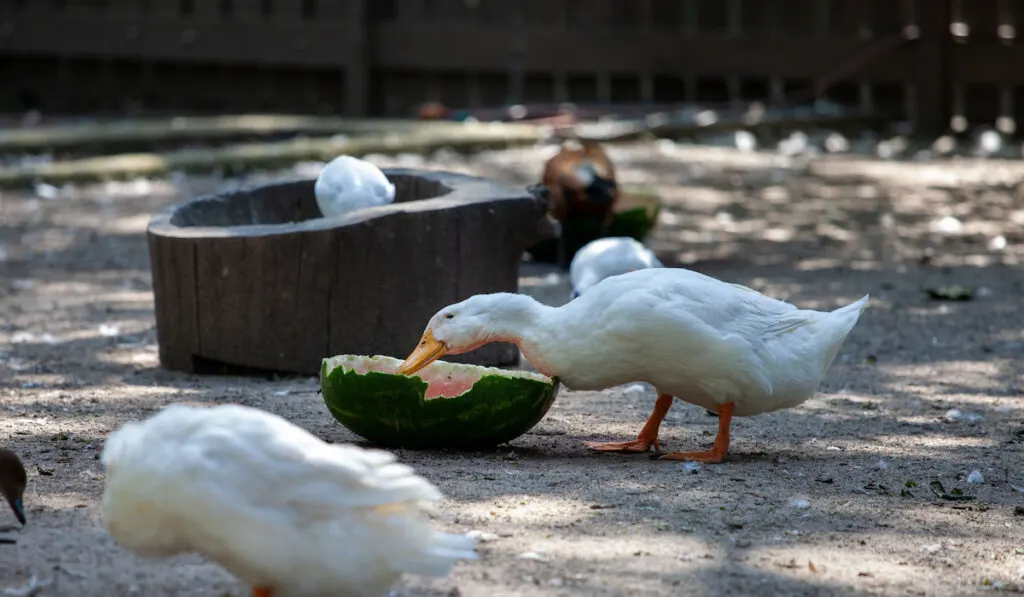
(831, 498)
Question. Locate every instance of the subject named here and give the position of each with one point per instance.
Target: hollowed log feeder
(258, 280)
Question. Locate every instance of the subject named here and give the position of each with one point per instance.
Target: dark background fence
(926, 61)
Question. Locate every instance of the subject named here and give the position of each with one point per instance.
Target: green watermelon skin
(390, 409)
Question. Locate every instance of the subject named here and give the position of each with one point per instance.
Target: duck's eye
(449, 316)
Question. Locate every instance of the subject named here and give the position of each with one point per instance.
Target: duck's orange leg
(262, 592)
(648, 435)
(717, 452)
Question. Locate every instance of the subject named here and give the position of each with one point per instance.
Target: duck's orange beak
(427, 351)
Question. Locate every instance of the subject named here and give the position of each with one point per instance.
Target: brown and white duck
(13, 480)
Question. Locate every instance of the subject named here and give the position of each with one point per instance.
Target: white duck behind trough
(278, 508)
(606, 257)
(721, 346)
(347, 183)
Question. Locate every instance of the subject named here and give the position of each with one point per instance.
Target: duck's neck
(531, 326)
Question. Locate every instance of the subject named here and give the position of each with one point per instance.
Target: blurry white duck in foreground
(606, 257)
(717, 345)
(277, 507)
(347, 183)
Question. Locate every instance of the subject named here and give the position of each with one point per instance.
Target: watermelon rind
(391, 409)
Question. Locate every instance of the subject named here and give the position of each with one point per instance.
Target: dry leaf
(810, 566)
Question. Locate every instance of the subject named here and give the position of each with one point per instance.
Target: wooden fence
(929, 61)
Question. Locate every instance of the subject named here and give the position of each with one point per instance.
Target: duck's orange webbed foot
(717, 452)
(262, 592)
(648, 435)
(637, 446)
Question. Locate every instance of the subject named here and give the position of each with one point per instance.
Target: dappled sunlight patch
(534, 509)
(939, 173)
(916, 555)
(962, 380)
(145, 356)
(48, 408)
(134, 224)
(928, 447)
(109, 329)
(623, 546)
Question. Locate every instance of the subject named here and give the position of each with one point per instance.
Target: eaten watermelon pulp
(444, 379)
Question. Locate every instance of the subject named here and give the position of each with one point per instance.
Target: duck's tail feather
(840, 322)
(441, 553)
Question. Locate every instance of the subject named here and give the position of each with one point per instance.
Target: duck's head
(598, 188)
(590, 278)
(12, 482)
(466, 326)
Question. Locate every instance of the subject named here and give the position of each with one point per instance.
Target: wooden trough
(258, 281)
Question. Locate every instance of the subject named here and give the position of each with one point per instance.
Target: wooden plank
(399, 46)
(982, 18)
(932, 69)
(239, 41)
(358, 66)
(656, 52)
(994, 63)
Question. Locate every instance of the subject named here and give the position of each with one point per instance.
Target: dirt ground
(831, 498)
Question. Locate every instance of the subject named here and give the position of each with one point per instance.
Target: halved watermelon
(444, 405)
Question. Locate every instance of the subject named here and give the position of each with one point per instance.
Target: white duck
(721, 346)
(277, 507)
(605, 257)
(347, 183)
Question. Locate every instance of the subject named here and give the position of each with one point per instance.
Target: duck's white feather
(271, 503)
(605, 257)
(702, 340)
(347, 183)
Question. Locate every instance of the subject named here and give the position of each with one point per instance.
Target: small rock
(22, 337)
(531, 555)
(882, 465)
(481, 536)
(108, 331)
(997, 243)
(953, 415)
(556, 582)
(745, 141)
(33, 587)
(46, 191)
(946, 225)
(933, 548)
(799, 503)
(691, 467)
(834, 449)
(975, 478)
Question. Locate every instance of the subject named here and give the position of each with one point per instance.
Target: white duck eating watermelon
(721, 346)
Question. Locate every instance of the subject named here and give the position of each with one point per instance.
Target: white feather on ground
(271, 503)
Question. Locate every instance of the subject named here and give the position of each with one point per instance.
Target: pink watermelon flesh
(444, 380)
